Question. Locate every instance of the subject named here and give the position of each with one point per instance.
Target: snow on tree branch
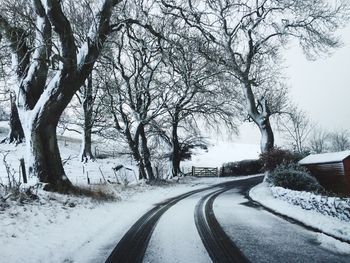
(98, 34)
(16, 37)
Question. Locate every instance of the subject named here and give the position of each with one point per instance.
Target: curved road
(219, 224)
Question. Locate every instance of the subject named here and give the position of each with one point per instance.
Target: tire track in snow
(132, 246)
(218, 244)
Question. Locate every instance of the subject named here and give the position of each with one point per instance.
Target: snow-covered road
(175, 238)
(260, 235)
(264, 237)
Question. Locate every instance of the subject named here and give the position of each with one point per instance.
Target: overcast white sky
(321, 88)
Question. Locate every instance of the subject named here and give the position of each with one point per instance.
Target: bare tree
(340, 140)
(86, 115)
(247, 37)
(195, 90)
(43, 94)
(296, 127)
(90, 111)
(319, 140)
(134, 98)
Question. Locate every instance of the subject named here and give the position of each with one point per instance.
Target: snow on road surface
(264, 237)
(175, 238)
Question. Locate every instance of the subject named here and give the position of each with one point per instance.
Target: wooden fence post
(23, 168)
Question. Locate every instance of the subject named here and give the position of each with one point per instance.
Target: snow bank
(325, 223)
(332, 244)
(331, 206)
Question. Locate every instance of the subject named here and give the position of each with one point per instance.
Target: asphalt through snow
(231, 227)
(219, 246)
(131, 248)
(266, 238)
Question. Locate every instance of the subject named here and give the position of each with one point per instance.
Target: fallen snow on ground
(333, 245)
(58, 228)
(328, 205)
(98, 171)
(327, 224)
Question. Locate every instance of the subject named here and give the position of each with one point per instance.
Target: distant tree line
(304, 136)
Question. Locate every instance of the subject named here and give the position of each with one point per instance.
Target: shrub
(245, 167)
(294, 177)
(277, 156)
(98, 192)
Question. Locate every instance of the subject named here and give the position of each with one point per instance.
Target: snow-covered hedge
(331, 206)
(244, 167)
(293, 177)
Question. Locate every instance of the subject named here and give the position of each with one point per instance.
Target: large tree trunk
(267, 137)
(133, 145)
(175, 156)
(16, 133)
(40, 123)
(259, 112)
(42, 101)
(142, 170)
(146, 155)
(44, 158)
(86, 153)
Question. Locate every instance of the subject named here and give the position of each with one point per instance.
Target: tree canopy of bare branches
(247, 37)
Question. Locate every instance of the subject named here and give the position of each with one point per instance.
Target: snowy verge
(329, 225)
(330, 206)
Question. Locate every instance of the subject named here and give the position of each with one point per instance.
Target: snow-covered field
(218, 153)
(222, 152)
(327, 224)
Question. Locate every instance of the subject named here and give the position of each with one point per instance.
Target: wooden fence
(205, 171)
